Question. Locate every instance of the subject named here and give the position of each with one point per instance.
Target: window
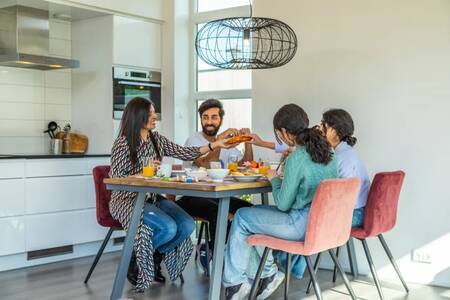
(232, 87)
(210, 78)
(208, 5)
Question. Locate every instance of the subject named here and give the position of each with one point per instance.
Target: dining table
(219, 191)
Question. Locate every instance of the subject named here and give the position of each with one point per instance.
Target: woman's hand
(271, 174)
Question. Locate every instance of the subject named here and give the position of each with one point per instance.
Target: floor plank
(64, 281)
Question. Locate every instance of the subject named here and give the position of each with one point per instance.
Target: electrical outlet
(420, 256)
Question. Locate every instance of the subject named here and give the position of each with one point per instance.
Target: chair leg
(335, 267)
(352, 258)
(391, 258)
(199, 239)
(207, 248)
(372, 268)
(313, 278)
(255, 284)
(99, 253)
(344, 277)
(316, 268)
(288, 276)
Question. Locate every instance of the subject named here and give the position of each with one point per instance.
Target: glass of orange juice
(233, 163)
(264, 167)
(148, 169)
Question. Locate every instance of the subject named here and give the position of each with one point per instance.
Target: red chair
(329, 225)
(104, 218)
(380, 217)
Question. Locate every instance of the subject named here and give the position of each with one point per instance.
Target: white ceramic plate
(247, 178)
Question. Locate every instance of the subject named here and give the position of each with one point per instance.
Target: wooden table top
(227, 185)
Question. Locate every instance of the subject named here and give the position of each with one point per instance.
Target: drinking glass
(148, 169)
(264, 167)
(233, 163)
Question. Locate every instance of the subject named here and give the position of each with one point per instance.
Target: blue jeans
(170, 224)
(298, 262)
(242, 260)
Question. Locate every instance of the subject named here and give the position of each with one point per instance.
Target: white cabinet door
(55, 167)
(137, 43)
(59, 229)
(52, 194)
(12, 197)
(12, 233)
(12, 168)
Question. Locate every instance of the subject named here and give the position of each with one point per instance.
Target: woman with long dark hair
(165, 227)
(310, 163)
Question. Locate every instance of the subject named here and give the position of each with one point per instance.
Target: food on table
(239, 139)
(252, 164)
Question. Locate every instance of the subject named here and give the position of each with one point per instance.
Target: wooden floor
(64, 281)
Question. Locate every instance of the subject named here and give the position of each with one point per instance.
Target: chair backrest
(330, 217)
(382, 201)
(102, 196)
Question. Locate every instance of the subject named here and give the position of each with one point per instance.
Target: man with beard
(211, 114)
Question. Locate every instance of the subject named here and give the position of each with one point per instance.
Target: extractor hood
(24, 40)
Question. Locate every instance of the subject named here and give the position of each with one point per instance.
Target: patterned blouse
(121, 205)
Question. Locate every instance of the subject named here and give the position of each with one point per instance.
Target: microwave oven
(132, 82)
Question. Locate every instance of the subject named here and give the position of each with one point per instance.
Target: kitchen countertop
(46, 156)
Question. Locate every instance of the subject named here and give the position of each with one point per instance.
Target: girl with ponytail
(337, 126)
(309, 164)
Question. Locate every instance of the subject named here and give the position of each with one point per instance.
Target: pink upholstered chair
(104, 218)
(380, 216)
(329, 226)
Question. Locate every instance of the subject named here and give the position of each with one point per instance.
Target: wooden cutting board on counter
(78, 142)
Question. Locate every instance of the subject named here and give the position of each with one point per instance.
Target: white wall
(178, 119)
(29, 99)
(388, 64)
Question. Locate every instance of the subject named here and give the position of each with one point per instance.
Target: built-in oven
(132, 82)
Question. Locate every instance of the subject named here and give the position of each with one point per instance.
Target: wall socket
(420, 256)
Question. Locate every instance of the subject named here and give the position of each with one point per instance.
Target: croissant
(239, 139)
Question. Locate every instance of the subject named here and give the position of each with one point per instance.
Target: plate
(247, 178)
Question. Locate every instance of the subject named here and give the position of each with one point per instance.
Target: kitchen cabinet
(12, 231)
(137, 43)
(48, 203)
(12, 197)
(152, 9)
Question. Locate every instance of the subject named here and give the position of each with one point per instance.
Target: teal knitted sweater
(301, 179)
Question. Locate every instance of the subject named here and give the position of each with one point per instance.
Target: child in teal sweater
(305, 168)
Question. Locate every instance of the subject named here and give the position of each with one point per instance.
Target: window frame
(204, 17)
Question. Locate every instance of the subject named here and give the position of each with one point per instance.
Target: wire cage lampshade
(246, 43)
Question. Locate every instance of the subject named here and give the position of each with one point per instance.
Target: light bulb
(246, 37)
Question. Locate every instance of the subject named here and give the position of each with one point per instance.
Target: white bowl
(251, 178)
(217, 175)
(196, 173)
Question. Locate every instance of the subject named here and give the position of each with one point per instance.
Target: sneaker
(268, 285)
(238, 292)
